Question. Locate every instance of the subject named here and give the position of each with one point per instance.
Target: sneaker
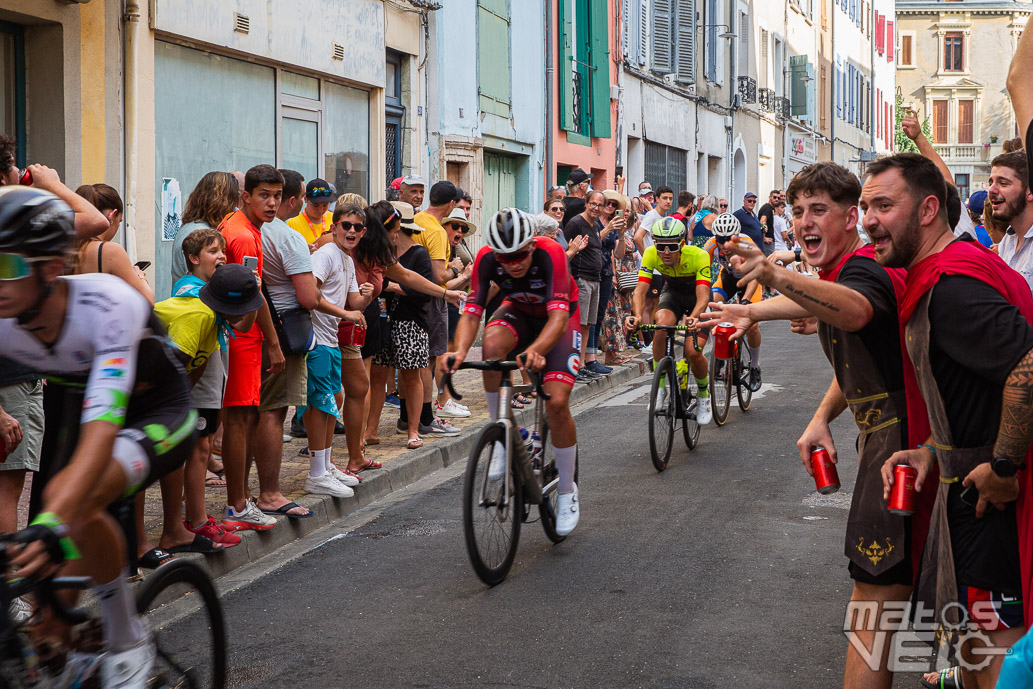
(402, 426)
(497, 468)
(451, 410)
(249, 518)
(327, 485)
(19, 611)
(287, 438)
(440, 429)
(703, 413)
(297, 427)
(583, 377)
(754, 378)
(129, 668)
(214, 532)
(597, 367)
(339, 428)
(347, 479)
(393, 400)
(568, 512)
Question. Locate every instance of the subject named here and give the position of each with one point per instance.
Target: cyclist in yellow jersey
(726, 286)
(686, 293)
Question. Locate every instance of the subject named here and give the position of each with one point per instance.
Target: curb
(401, 472)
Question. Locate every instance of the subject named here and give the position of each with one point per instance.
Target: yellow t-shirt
(191, 327)
(433, 237)
(309, 230)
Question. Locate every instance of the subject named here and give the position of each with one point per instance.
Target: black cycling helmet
(34, 222)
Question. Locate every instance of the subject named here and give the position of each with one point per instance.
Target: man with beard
(856, 301)
(1012, 202)
(961, 303)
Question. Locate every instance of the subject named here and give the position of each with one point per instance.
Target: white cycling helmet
(726, 225)
(510, 230)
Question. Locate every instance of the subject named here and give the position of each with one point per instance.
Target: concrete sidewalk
(402, 467)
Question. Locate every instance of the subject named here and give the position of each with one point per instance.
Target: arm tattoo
(811, 298)
(1016, 431)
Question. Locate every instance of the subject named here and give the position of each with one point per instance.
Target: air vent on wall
(338, 51)
(241, 22)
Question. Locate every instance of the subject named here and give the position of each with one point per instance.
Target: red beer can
(826, 478)
(26, 179)
(723, 348)
(902, 496)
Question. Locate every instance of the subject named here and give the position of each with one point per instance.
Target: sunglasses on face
(346, 226)
(667, 248)
(515, 257)
(16, 266)
(724, 205)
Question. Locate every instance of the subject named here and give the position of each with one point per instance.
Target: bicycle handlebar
(45, 588)
(497, 365)
(679, 328)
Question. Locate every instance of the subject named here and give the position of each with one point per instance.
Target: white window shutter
(663, 35)
(685, 43)
(643, 31)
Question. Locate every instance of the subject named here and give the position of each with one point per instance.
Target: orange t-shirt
(242, 239)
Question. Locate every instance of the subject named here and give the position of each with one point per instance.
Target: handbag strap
(272, 307)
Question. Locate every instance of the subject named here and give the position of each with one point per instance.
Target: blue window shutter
(600, 61)
(663, 37)
(685, 42)
(809, 115)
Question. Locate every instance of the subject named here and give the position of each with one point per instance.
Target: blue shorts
(324, 378)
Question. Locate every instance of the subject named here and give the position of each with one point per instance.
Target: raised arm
(1020, 82)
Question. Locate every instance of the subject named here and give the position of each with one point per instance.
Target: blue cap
(748, 195)
(977, 201)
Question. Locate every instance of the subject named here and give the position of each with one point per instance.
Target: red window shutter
(890, 41)
(880, 29)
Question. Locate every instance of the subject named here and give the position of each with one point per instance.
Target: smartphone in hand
(251, 262)
(143, 265)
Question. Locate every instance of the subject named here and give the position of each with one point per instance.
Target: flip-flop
(154, 558)
(212, 479)
(370, 464)
(284, 511)
(200, 544)
(372, 441)
(414, 443)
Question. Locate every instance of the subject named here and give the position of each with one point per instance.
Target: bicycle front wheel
(742, 377)
(491, 518)
(689, 428)
(191, 651)
(661, 413)
(720, 388)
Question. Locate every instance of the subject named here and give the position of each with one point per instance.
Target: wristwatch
(1005, 468)
(797, 251)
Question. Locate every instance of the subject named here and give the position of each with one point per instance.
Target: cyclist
(726, 286)
(686, 292)
(105, 356)
(539, 320)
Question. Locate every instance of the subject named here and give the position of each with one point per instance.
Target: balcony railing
(766, 98)
(782, 108)
(967, 153)
(747, 89)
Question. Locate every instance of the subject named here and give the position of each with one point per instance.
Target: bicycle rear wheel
(661, 415)
(191, 651)
(720, 388)
(491, 524)
(549, 505)
(742, 377)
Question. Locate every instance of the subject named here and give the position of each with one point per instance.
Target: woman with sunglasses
(703, 220)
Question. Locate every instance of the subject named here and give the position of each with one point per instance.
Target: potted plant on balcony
(993, 139)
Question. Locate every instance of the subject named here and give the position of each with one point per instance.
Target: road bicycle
(678, 408)
(724, 373)
(495, 508)
(193, 658)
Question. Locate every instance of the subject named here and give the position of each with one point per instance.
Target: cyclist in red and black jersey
(538, 318)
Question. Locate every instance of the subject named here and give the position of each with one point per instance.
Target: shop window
(346, 138)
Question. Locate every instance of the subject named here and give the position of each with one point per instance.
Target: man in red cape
(967, 320)
(857, 303)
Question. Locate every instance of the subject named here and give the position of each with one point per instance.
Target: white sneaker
(451, 409)
(346, 479)
(568, 512)
(287, 438)
(129, 669)
(327, 485)
(20, 611)
(497, 468)
(248, 518)
(703, 413)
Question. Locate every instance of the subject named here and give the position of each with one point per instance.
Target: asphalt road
(725, 570)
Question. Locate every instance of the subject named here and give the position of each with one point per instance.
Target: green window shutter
(493, 56)
(566, 65)
(797, 85)
(600, 61)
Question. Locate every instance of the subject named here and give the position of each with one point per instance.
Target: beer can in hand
(26, 179)
(722, 346)
(902, 495)
(826, 478)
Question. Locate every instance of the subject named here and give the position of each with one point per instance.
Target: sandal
(372, 441)
(414, 443)
(948, 678)
(370, 464)
(522, 399)
(516, 403)
(212, 479)
(200, 544)
(154, 558)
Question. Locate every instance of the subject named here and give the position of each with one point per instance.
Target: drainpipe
(550, 75)
(733, 21)
(131, 20)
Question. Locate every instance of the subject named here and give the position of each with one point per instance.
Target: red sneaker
(213, 530)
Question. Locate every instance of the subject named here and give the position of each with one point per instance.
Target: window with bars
(665, 166)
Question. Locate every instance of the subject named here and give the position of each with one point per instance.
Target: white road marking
(626, 398)
(765, 388)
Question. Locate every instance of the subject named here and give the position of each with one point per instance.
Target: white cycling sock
(754, 356)
(316, 463)
(123, 628)
(566, 461)
(492, 398)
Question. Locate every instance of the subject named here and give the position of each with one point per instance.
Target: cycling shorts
(726, 286)
(680, 303)
(563, 360)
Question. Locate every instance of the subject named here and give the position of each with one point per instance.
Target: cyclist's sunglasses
(18, 267)
(320, 193)
(515, 257)
(668, 247)
(346, 226)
